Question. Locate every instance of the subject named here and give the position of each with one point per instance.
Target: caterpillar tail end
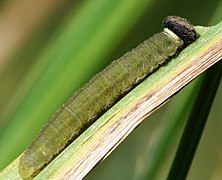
(25, 170)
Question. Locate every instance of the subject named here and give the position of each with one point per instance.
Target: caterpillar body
(102, 91)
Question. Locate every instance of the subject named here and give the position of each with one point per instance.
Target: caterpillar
(102, 91)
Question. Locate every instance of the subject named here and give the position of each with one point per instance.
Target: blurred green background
(48, 49)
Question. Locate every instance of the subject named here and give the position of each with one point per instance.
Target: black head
(182, 28)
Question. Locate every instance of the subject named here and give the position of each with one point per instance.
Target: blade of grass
(16, 70)
(109, 130)
(195, 124)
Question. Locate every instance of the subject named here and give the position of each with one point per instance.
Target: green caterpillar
(102, 91)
